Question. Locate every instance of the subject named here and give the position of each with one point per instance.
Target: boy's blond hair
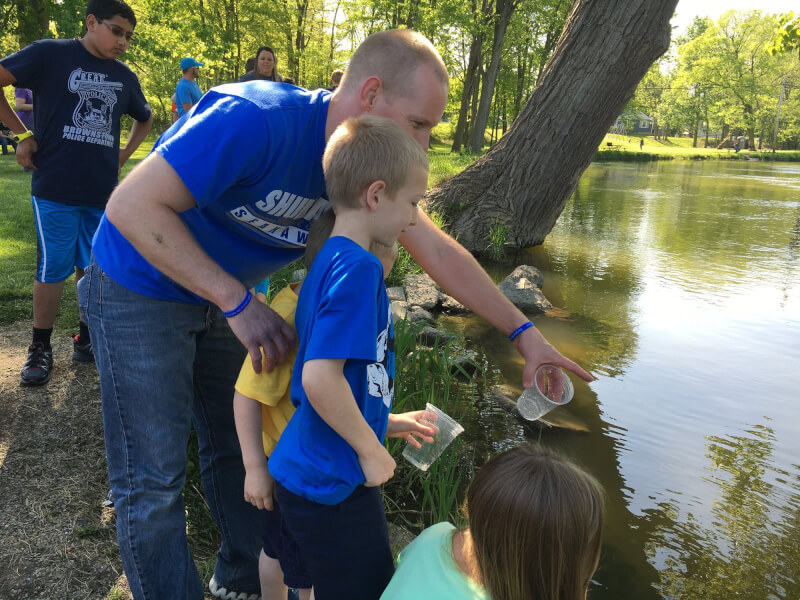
(364, 150)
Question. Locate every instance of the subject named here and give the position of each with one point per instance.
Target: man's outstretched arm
(460, 275)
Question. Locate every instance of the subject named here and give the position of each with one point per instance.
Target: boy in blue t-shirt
(330, 458)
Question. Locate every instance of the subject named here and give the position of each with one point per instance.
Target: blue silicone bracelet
(520, 329)
(240, 308)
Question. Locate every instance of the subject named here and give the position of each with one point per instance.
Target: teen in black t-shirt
(81, 92)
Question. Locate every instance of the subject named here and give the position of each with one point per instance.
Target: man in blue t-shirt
(81, 91)
(187, 92)
(184, 237)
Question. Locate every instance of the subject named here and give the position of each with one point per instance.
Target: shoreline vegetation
(623, 148)
(614, 147)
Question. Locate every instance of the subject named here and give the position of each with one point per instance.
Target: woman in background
(266, 67)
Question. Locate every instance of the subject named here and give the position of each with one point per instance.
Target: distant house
(642, 123)
(633, 122)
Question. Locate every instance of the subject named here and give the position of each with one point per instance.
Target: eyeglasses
(119, 32)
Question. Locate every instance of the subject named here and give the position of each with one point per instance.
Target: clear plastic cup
(423, 458)
(551, 388)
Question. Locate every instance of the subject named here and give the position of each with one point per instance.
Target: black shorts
(280, 545)
(345, 546)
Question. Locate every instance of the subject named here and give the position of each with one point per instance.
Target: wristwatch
(23, 136)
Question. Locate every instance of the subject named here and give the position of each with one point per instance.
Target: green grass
(18, 247)
(626, 148)
(443, 164)
(498, 236)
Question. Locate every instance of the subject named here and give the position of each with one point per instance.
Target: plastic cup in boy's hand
(422, 458)
(551, 388)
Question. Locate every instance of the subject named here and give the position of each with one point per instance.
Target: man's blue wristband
(240, 308)
(515, 334)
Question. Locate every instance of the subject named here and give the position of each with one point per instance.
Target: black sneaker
(37, 368)
(82, 351)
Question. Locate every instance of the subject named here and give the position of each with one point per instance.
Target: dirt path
(56, 538)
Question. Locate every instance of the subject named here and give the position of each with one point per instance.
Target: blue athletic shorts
(64, 238)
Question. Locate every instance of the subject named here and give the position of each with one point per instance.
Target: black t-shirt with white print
(79, 100)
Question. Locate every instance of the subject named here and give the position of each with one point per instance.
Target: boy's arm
(258, 483)
(27, 147)
(331, 396)
(139, 131)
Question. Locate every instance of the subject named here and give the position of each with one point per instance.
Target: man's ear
(375, 193)
(370, 90)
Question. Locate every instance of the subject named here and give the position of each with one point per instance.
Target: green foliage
(414, 498)
(311, 38)
(404, 265)
(786, 36)
(17, 242)
(498, 237)
(726, 79)
(444, 164)
(627, 156)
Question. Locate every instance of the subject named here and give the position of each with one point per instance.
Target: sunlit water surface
(678, 285)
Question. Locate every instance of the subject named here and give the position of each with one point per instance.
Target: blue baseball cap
(189, 62)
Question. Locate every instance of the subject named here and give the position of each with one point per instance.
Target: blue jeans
(163, 366)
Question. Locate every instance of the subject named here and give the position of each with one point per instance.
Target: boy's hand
(259, 486)
(378, 466)
(406, 424)
(25, 151)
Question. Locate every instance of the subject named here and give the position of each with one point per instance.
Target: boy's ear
(375, 193)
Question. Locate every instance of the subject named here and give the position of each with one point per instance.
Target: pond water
(677, 284)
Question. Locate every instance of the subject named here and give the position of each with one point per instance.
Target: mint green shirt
(426, 570)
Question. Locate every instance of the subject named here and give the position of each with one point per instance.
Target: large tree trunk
(527, 178)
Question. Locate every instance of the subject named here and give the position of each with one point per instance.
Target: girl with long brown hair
(534, 533)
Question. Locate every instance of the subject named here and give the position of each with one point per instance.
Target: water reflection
(749, 544)
(676, 284)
